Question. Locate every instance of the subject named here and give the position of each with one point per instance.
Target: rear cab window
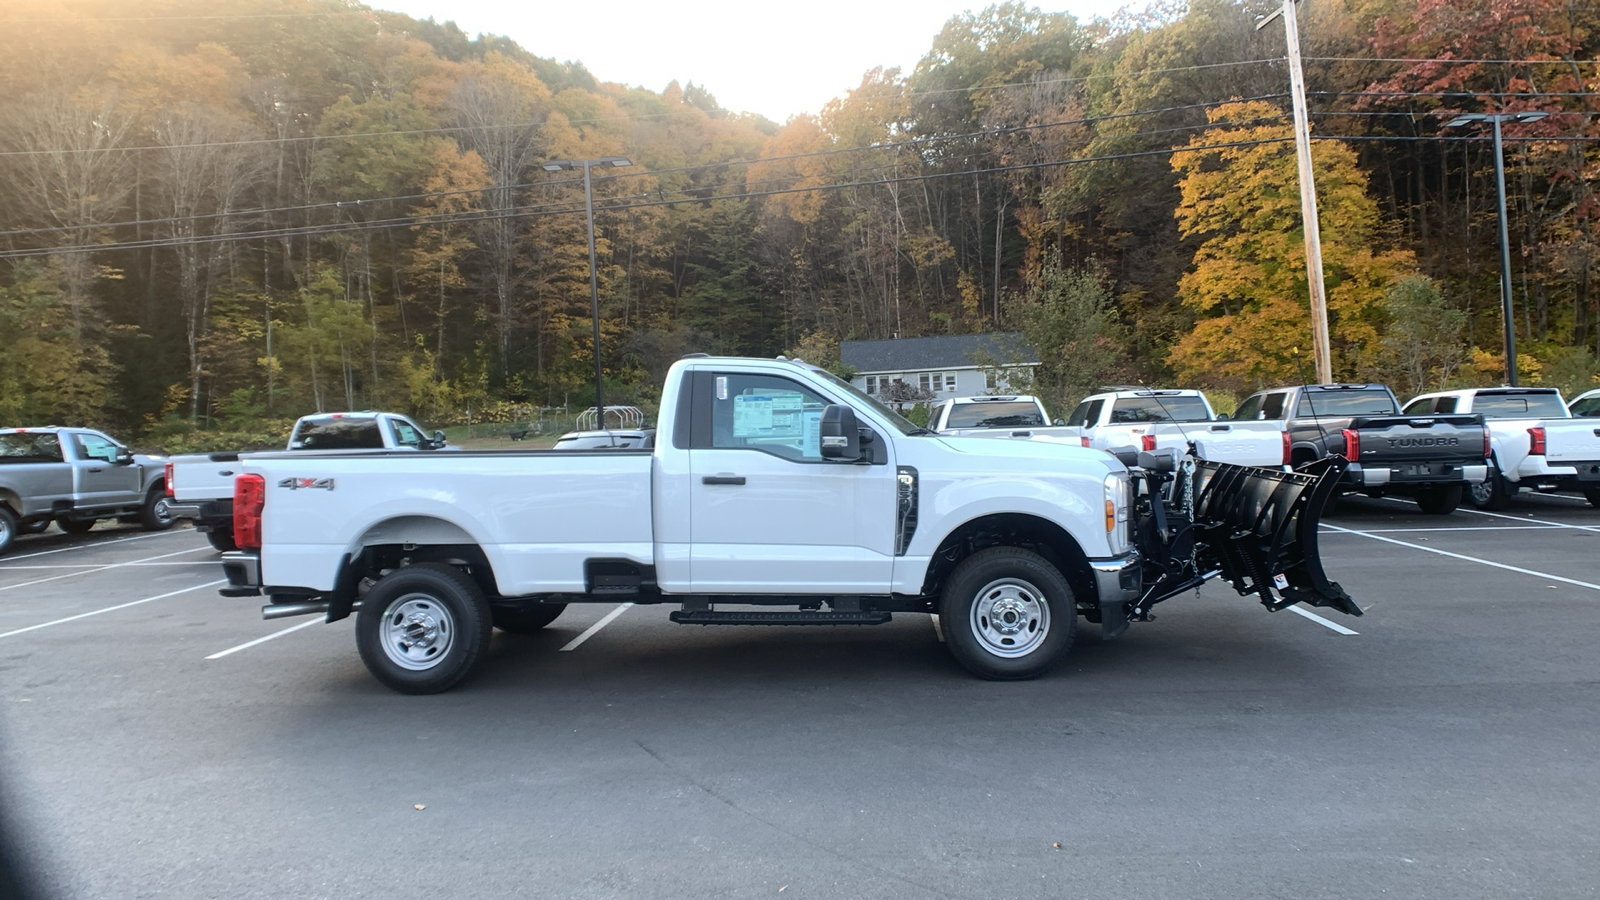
(1342, 403)
(1586, 407)
(995, 414)
(30, 447)
(1133, 410)
(1521, 405)
(337, 433)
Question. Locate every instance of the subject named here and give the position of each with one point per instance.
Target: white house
(957, 365)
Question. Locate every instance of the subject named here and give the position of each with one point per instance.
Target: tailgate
(1240, 443)
(1573, 442)
(207, 477)
(1392, 440)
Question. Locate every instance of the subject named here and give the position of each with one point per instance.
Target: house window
(937, 382)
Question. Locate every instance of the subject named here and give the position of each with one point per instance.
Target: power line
(1393, 59)
(410, 221)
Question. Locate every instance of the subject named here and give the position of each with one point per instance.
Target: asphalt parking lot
(163, 741)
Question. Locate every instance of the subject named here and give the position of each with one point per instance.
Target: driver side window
(766, 413)
(94, 446)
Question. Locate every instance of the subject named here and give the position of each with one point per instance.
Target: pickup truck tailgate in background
(1396, 440)
(1574, 442)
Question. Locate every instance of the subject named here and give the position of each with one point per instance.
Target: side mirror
(438, 439)
(841, 436)
(1222, 417)
(1059, 422)
(123, 457)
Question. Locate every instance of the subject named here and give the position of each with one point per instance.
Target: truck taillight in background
(249, 497)
(1148, 443)
(1352, 445)
(1536, 441)
(1084, 441)
(167, 477)
(1488, 443)
(1287, 445)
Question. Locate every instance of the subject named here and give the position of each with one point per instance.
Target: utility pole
(1308, 193)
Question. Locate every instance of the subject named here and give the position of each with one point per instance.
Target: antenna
(1321, 431)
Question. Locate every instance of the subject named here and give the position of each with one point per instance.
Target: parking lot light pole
(614, 162)
(1505, 240)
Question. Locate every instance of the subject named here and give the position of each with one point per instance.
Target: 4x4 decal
(295, 484)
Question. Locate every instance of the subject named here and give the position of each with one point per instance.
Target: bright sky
(777, 59)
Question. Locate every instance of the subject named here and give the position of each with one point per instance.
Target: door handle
(722, 479)
(97, 470)
(226, 473)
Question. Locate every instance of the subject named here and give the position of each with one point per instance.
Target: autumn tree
(1247, 286)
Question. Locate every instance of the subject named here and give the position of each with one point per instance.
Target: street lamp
(1505, 241)
(614, 162)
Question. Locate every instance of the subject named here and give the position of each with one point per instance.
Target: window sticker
(776, 415)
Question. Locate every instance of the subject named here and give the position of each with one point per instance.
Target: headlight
(1118, 502)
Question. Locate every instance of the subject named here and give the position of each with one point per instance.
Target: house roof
(951, 351)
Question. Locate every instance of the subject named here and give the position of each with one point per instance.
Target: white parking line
(90, 571)
(1528, 519)
(1298, 610)
(91, 545)
(114, 608)
(1389, 540)
(262, 640)
(132, 565)
(1464, 528)
(577, 641)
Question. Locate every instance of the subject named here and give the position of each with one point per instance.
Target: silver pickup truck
(75, 477)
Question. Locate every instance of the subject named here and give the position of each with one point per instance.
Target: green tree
(1425, 340)
(1068, 317)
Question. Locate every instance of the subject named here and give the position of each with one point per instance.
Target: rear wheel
(525, 619)
(1493, 493)
(222, 540)
(36, 527)
(1593, 496)
(422, 628)
(156, 513)
(76, 526)
(1439, 500)
(1007, 614)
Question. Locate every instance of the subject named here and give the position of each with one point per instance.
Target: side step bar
(803, 617)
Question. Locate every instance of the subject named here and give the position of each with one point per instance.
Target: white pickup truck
(1012, 416)
(200, 485)
(1537, 443)
(770, 484)
(1161, 419)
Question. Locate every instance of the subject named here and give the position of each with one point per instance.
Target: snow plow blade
(1258, 528)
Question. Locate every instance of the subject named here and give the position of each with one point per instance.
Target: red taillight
(249, 497)
(1084, 441)
(1488, 445)
(1536, 441)
(1286, 448)
(1352, 445)
(167, 476)
(1148, 442)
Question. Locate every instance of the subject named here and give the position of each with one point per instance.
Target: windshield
(1586, 406)
(1347, 403)
(1130, 410)
(995, 414)
(1541, 405)
(904, 425)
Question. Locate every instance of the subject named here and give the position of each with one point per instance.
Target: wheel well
(1299, 456)
(1041, 536)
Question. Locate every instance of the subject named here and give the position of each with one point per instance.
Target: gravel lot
(162, 741)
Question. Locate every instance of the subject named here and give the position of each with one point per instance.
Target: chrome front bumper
(1118, 582)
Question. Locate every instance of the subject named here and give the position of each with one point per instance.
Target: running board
(803, 617)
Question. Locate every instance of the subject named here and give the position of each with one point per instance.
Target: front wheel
(422, 628)
(222, 540)
(8, 529)
(526, 619)
(75, 526)
(156, 513)
(1439, 500)
(1007, 614)
(1492, 493)
(1593, 496)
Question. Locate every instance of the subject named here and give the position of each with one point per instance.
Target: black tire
(156, 513)
(525, 619)
(1037, 633)
(1493, 493)
(37, 527)
(1440, 500)
(422, 628)
(222, 540)
(8, 528)
(76, 526)
(1593, 496)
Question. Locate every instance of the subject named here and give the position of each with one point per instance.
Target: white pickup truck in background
(200, 485)
(1149, 420)
(1016, 415)
(771, 484)
(1537, 443)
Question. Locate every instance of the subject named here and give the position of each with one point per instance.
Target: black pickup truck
(1429, 458)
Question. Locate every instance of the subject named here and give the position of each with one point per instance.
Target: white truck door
(768, 513)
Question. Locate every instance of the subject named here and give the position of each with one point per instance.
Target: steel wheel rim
(417, 631)
(162, 509)
(5, 530)
(1010, 618)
